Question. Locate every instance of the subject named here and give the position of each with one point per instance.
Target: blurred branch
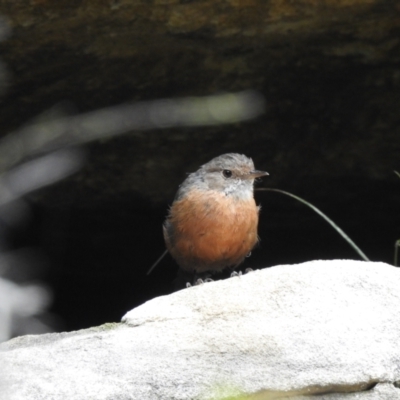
(37, 173)
(20, 301)
(45, 136)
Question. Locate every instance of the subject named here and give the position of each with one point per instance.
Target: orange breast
(211, 232)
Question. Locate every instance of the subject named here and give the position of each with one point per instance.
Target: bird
(212, 222)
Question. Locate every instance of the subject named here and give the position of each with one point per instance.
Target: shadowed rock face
(324, 328)
(330, 74)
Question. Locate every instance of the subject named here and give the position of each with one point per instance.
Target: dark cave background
(330, 75)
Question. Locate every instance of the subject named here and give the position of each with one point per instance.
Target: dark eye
(227, 173)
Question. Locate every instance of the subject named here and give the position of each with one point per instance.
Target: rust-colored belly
(211, 232)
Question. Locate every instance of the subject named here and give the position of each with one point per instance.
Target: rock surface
(322, 327)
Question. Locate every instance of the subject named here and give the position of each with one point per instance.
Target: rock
(328, 329)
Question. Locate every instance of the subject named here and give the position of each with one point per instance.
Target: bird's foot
(199, 281)
(240, 273)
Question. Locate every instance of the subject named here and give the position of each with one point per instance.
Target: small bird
(212, 223)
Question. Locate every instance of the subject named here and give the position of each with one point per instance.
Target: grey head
(232, 174)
